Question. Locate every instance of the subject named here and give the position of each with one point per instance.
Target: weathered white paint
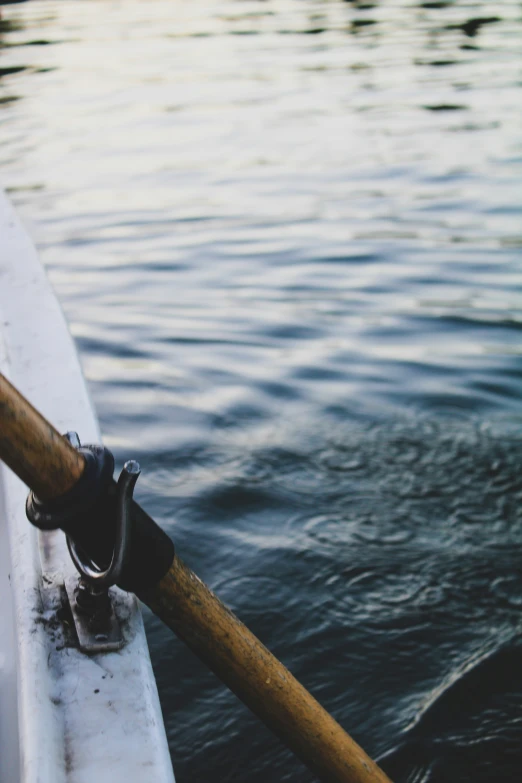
(64, 717)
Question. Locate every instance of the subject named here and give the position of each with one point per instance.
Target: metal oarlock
(96, 623)
(95, 512)
(111, 575)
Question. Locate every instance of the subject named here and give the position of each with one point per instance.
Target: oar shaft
(50, 466)
(33, 449)
(242, 662)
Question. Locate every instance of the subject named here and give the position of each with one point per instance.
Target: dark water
(288, 238)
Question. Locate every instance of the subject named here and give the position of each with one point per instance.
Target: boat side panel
(40, 721)
(9, 742)
(102, 713)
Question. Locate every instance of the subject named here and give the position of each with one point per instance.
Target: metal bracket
(97, 626)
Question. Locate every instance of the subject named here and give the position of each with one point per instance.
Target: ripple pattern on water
(287, 237)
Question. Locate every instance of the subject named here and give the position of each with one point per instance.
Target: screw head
(132, 467)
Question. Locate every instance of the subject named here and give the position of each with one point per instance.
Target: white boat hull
(65, 717)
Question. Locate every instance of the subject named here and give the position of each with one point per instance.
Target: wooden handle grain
(33, 449)
(242, 662)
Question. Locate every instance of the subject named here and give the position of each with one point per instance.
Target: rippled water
(288, 237)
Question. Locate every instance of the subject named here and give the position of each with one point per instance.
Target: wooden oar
(51, 467)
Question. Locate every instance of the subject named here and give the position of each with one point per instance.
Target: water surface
(287, 236)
